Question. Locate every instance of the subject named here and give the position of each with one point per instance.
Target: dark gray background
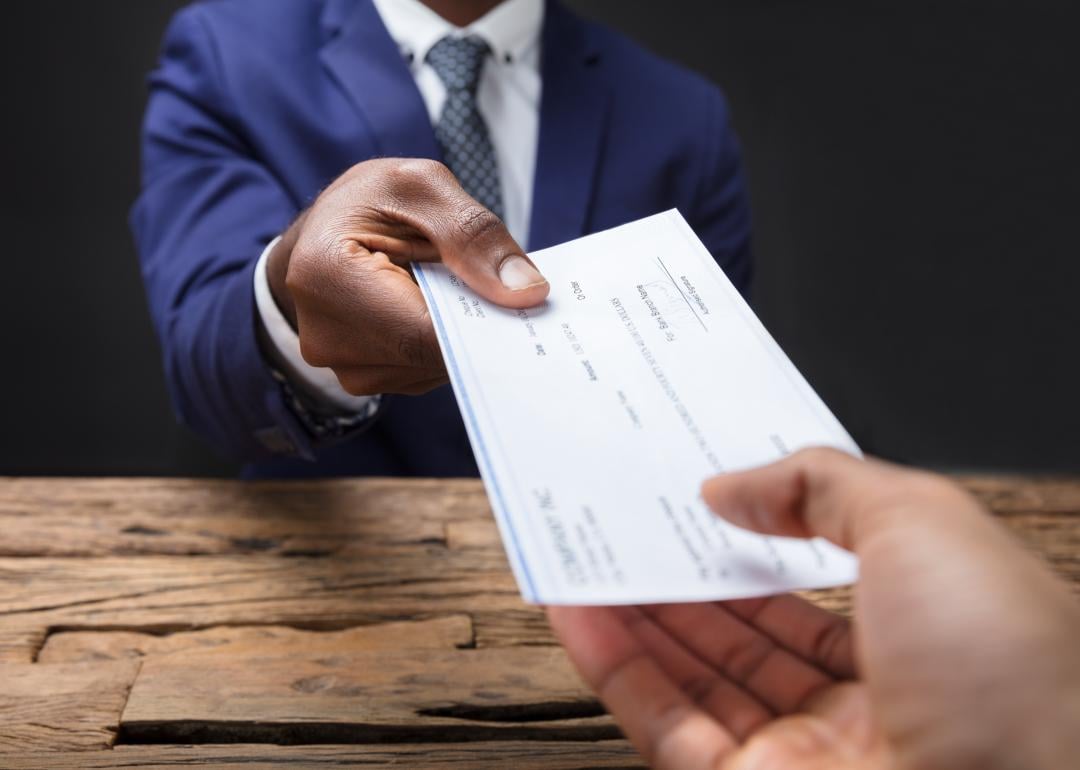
(914, 171)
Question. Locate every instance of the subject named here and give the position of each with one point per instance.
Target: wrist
(277, 270)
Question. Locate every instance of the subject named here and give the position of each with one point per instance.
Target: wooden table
(172, 623)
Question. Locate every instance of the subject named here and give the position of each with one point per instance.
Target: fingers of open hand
(734, 708)
(820, 637)
(777, 677)
(688, 683)
(659, 718)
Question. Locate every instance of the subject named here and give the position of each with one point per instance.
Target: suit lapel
(573, 117)
(365, 61)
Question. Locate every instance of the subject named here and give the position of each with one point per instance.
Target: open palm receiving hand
(963, 652)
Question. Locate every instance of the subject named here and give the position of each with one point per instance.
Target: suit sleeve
(206, 210)
(721, 214)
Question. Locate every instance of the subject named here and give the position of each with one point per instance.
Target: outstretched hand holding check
(961, 653)
(340, 273)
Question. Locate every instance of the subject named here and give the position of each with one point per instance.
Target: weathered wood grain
(257, 641)
(73, 707)
(1006, 495)
(20, 641)
(473, 533)
(169, 593)
(280, 613)
(184, 516)
(161, 594)
(88, 517)
(97, 517)
(1054, 537)
(367, 697)
(481, 755)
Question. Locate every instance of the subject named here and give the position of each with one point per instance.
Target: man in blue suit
(298, 154)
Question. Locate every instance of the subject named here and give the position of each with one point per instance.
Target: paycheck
(596, 416)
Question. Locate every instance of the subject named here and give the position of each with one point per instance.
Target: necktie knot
(458, 61)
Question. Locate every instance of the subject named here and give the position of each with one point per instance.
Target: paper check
(595, 418)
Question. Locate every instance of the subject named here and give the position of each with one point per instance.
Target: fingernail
(517, 273)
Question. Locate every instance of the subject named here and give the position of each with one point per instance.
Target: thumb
(827, 493)
(475, 244)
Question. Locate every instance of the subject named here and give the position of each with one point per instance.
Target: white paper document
(596, 417)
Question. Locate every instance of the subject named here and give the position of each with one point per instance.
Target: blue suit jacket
(257, 104)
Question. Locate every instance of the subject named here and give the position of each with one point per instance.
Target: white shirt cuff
(317, 381)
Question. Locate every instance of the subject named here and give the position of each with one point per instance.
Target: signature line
(681, 294)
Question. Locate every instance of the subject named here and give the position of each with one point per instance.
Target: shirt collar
(511, 28)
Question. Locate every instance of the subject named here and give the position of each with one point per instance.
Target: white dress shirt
(508, 97)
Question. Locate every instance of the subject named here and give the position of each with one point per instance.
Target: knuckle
(475, 222)
(366, 168)
(409, 351)
(414, 349)
(417, 344)
(410, 173)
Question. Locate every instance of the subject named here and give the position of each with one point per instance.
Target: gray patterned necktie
(461, 131)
